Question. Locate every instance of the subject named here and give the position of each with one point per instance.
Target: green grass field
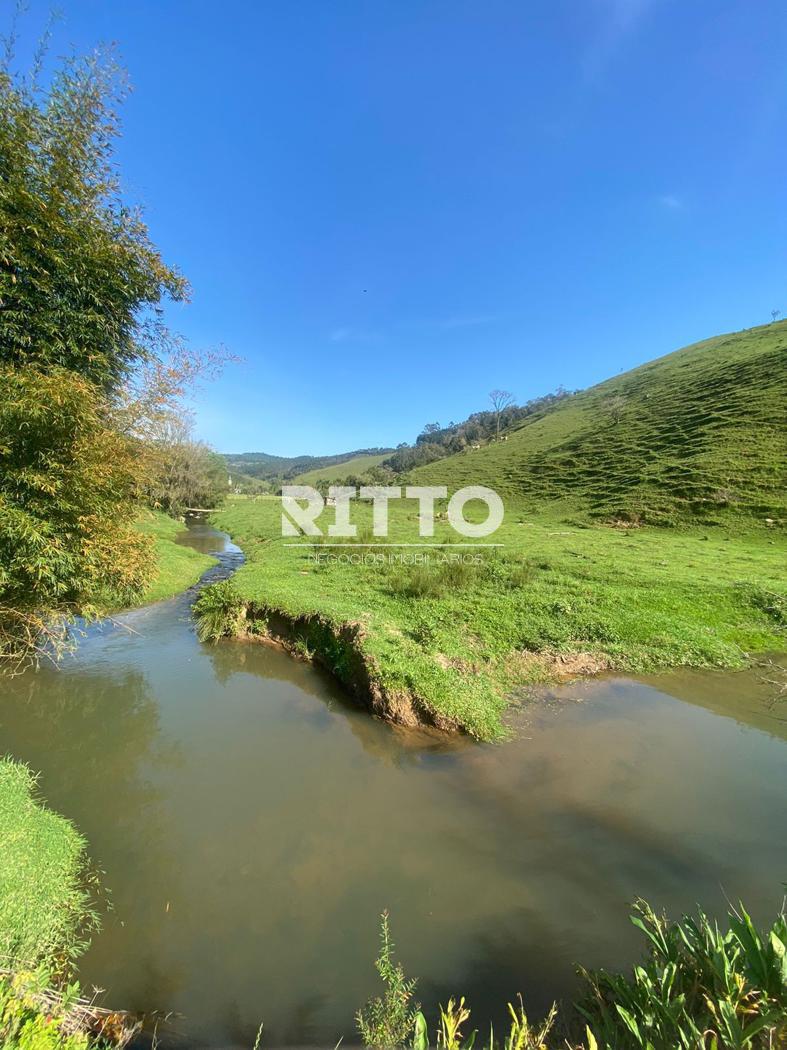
(357, 466)
(698, 435)
(695, 442)
(555, 598)
(42, 856)
(177, 567)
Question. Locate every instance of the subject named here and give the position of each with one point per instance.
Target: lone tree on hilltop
(501, 399)
(775, 315)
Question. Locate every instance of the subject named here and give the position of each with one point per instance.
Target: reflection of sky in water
(252, 825)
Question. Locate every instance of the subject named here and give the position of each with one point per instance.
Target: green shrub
(387, 1022)
(35, 1016)
(219, 612)
(420, 581)
(67, 486)
(25, 1025)
(80, 278)
(700, 986)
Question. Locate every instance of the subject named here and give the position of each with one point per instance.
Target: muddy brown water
(252, 824)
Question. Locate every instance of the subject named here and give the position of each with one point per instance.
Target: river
(251, 824)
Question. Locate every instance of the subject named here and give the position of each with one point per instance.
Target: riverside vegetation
(644, 529)
(92, 435)
(699, 987)
(92, 425)
(45, 916)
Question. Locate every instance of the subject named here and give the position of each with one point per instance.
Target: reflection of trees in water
(94, 738)
(89, 735)
(230, 657)
(404, 747)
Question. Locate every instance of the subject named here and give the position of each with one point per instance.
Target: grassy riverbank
(177, 567)
(45, 920)
(644, 530)
(43, 903)
(554, 600)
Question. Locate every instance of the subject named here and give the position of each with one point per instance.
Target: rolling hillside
(698, 435)
(336, 471)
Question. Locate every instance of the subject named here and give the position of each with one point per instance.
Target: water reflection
(753, 698)
(99, 732)
(253, 823)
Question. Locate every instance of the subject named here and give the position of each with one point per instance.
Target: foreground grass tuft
(389, 1020)
(218, 611)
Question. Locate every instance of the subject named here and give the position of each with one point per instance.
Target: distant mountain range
(266, 467)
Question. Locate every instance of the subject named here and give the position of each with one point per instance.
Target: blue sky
(389, 207)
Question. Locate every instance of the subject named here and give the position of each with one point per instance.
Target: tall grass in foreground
(26, 1025)
(35, 1016)
(700, 987)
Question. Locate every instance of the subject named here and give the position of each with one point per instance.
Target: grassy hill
(448, 635)
(356, 466)
(699, 435)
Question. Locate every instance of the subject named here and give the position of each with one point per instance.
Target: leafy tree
(67, 490)
(427, 433)
(180, 471)
(615, 405)
(80, 281)
(81, 288)
(152, 397)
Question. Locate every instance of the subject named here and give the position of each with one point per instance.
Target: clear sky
(390, 207)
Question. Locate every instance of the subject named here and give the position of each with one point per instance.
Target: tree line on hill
(91, 419)
(436, 442)
(256, 472)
